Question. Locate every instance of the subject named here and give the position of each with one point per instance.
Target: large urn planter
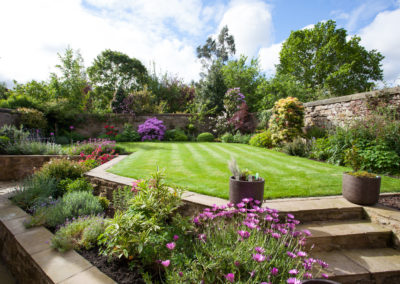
(361, 190)
(240, 189)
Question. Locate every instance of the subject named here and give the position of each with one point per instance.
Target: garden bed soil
(117, 269)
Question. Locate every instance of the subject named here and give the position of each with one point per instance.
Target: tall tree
(111, 70)
(322, 58)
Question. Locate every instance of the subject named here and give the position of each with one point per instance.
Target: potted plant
(243, 184)
(359, 187)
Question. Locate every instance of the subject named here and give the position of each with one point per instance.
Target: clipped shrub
(32, 118)
(241, 138)
(175, 135)
(227, 138)
(129, 134)
(298, 147)
(63, 169)
(152, 129)
(62, 140)
(287, 120)
(79, 234)
(71, 205)
(262, 139)
(205, 137)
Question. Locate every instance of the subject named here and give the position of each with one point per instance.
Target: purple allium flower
(244, 234)
(202, 237)
(230, 277)
(176, 237)
(293, 271)
(259, 257)
(165, 263)
(274, 271)
(171, 246)
(325, 275)
(259, 249)
(293, 280)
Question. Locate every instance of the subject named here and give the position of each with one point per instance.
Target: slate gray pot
(239, 189)
(361, 190)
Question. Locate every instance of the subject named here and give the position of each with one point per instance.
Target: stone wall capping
(30, 258)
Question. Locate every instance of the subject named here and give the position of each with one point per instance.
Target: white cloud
(383, 35)
(250, 22)
(269, 57)
(157, 31)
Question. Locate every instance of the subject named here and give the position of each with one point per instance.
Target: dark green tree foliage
(322, 58)
(112, 69)
(117, 101)
(4, 92)
(247, 77)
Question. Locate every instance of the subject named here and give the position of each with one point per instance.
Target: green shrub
(298, 147)
(79, 234)
(320, 149)
(71, 205)
(105, 203)
(129, 134)
(80, 184)
(32, 118)
(205, 137)
(90, 164)
(227, 138)
(4, 142)
(13, 133)
(62, 140)
(263, 118)
(175, 135)
(63, 169)
(262, 139)
(241, 138)
(16, 101)
(379, 158)
(33, 148)
(287, 120)
(121, 198)
(35, 191)
(315, 132)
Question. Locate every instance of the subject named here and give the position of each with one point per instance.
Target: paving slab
(11, 212)
(35, 240)
(17, 225)
(376, 260)
(60, 266)
(90, 276)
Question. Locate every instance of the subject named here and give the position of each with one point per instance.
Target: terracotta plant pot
(361, 190)
(239, 189)
(319, 281)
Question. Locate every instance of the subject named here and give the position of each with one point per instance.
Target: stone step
(327, 236)
(367, 266)
(318, 209)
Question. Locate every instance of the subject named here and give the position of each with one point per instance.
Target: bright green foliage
(247, 77)
(287, 120)
(71, 205)
(4, 141)
(316, 132)
(121, 198)
(80, 184)
(381, 159)
(104, 202)
(141, 230)
(322, 58)
(113, 69)
(129, 134)
(320, 149)
(227, 138)
(79, 234)
(353, 159)
(32, 118)
(62, 169)
(32, 94)
(298, 147)
(205, 137)
(241, 138)
(262, 139)
(175, 135)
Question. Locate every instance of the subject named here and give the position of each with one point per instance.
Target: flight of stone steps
(356, 249)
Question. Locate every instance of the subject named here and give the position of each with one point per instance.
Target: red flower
(106, 126)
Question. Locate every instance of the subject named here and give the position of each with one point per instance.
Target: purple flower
(290, 216)
(230, 277)
(325, 275)
(237, 263)
(71, 127)
(258, 257)
(240, 205)
(180, 273)
(293, 272)
(171, 246)
(259, 249)
(293, 280)
(51, 133)
(252, 274)
(274, 271)
(307, 275)
(176, 237)
(306, 232)
(291, 254)
(268, 218)
(202, 237)
(276, 235)
(165, 263)
(243, 234)
(301, 254)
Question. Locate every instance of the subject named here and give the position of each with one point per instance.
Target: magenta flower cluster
(152, 129)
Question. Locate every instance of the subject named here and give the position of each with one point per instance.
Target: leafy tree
(37, 91)
(322, 58)
(247, 77)
(113, 69)
(118, 99)
(4, 92)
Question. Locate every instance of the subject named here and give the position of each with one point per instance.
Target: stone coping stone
(30, 258)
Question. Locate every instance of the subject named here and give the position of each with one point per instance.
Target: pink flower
(230, 277)
(180, 273)
(301, 254)
(293, 272)
(165, 263)
(307, 275)
(237, 263)
(293, 280)
(274, 271)
(243, 234)
(259, 257)
(259, 249)
(306, 232)
(171, 246)
(202, 237)
(176, 237)
(290, 216)
(240, 205)
(268, 218)
(291, 254)
(325, 275)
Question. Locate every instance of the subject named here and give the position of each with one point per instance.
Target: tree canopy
(322, 58)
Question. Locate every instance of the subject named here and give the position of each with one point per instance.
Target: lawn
(202, 168)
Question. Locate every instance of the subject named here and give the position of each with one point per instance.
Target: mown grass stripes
(202, 167)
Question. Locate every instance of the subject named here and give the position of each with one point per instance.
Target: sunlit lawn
(202, 167)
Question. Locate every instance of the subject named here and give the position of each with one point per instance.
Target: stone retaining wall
(16, 167)
(340, 111)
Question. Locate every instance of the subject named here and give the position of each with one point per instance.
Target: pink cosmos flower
(165, 263)
(259, 257)
(171, 246)
(230, 277)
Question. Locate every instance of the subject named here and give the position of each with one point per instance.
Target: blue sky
(165, 34)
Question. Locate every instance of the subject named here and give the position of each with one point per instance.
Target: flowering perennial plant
(152, 129)
(111, 131)
(232, 100)
(242, 244)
